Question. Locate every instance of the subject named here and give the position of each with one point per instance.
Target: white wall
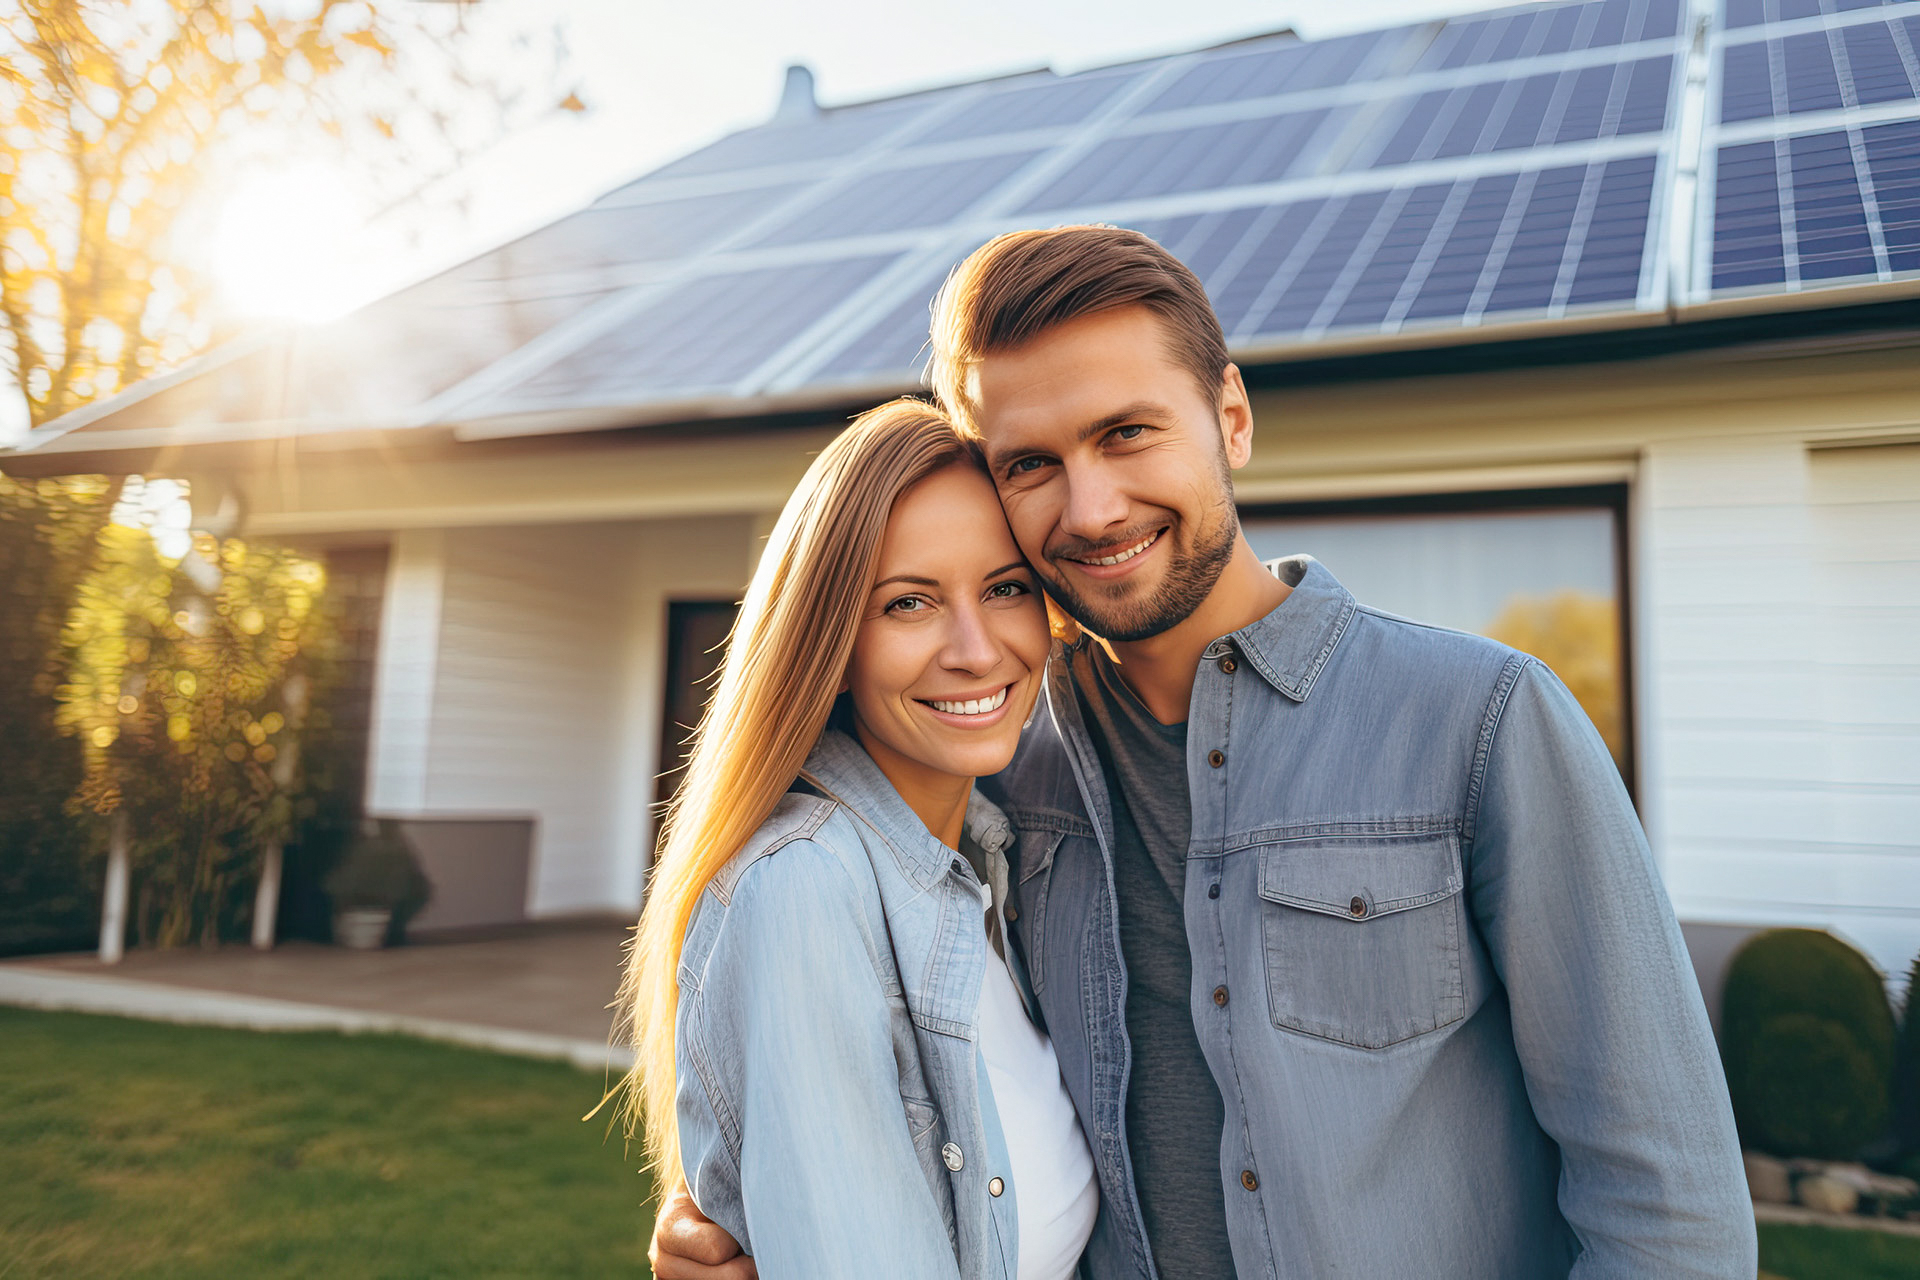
(1780, 595)
(521, 671)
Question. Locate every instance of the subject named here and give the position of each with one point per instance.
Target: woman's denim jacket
(833, 1107)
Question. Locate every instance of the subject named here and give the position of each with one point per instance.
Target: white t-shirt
(1055, 1196)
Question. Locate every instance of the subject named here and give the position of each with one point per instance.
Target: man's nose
(1095, 505)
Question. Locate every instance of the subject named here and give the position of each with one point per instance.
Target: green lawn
(135, 1149)
(149, 1151)
(1824, 1253)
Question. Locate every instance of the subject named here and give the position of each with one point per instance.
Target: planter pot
(362, 928)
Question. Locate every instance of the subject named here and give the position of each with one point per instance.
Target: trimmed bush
(1906, 1070)
(1808, 1038)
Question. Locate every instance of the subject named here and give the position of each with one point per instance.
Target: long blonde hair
(776, 687)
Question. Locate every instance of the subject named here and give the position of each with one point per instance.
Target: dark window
(696, 636)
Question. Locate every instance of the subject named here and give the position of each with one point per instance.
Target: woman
(833, 1042)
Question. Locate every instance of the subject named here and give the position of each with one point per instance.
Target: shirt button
(1213, 891)
(1216, 757)
(1248, 1181)
(995, 1187)
(1228, 665)
(951, 1154)
(1358, 906)
(1220, 996)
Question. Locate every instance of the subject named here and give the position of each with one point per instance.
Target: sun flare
(283, 244)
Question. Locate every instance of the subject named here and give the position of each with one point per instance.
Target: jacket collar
(841, 768)
(1290, 645)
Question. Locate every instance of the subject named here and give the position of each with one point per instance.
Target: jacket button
(1213, 891)
(954, 1160)
(1216, 757)
(1228, 665)
(1011, 912)
(1358, 906)
(1220, 996)
(995, 1186)
(1248, 1181)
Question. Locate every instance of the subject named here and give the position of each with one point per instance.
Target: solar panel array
(1493, 170)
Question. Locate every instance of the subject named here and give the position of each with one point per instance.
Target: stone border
(1801, 1216)
(159, 1002)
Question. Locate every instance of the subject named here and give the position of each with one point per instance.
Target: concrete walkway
(541, 993)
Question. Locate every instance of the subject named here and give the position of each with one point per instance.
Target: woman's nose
(971, 644)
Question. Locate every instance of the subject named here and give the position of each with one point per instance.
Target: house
(1591, 324)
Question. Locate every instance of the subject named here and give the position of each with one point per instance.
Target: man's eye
(1131, 432)
(1025, 466)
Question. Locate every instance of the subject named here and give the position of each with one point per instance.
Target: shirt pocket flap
(1361, 877)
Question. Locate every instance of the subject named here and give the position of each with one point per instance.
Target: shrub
(1906, 1070)
(1807, 1037)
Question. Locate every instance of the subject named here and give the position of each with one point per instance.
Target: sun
(283, 245)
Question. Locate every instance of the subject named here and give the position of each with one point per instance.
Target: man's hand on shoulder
(686, 1246)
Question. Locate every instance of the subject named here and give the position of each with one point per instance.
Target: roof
(1549, 169)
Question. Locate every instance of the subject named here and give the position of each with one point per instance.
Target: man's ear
(1236, 418)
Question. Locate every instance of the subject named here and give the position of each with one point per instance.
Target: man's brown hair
(1017, 286)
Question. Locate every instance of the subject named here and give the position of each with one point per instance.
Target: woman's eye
(907, 604)
(1006, 590)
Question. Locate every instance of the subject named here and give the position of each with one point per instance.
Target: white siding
(409, 647)
(1783, 684)
(526, 717)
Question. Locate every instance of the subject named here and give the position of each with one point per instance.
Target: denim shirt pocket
(1362, 935)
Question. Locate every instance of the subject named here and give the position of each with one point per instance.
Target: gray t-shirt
(1174, 1111)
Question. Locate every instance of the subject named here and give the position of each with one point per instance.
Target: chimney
(796, 96)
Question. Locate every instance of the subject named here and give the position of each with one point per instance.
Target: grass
(155, 1152)
(152, 1151)
(1829, 1253)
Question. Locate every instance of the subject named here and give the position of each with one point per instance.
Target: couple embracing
(1225, 927)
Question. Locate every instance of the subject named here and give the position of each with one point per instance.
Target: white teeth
(1128, 554)
(973, 706)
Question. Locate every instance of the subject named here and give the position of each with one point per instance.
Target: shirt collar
(839, 766)
(1290, 645)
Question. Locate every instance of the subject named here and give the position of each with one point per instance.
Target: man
(1353, 955)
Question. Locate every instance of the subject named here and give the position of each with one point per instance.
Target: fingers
(668, 1267)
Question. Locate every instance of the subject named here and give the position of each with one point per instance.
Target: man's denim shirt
(833, 964)
(1435, 974)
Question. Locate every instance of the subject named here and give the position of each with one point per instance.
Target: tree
(121, 120)
(49, 874)
(184, 696)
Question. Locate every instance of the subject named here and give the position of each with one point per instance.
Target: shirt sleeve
(789, 1088)
(1612, 1035)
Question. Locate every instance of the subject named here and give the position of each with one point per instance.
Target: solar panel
(1818, 208)
(1202, 158)
(1853, 65)
(1477, 41)
(703, 337)
(830, 135)
(1753, 13)
(1280, 66)
(1049, 103)
(607, 235)
(1538, 241)
(897, 199)
(1581, 105)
